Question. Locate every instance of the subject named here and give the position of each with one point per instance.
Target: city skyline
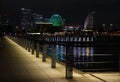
(74, 11)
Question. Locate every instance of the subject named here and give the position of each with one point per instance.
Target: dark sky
(74, 11)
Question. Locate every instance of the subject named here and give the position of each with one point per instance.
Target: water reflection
(60, 53)
(81, 55)
(84, 58)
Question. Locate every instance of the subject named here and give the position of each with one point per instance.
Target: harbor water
(89, 58)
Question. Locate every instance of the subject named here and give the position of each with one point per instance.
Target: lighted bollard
(69, 63)
(37, 49)
(24, 42)
(28, 45)
(32, 47)
(44, 53)
(53, 64)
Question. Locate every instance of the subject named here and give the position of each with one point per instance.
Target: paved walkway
(18, 65)
(108, 76)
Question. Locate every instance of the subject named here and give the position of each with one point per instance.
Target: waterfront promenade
(18, 65)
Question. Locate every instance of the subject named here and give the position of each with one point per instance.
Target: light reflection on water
(77, 52)
(80, 54)
(83, 57)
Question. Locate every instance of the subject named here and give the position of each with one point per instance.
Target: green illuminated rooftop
(56, 20)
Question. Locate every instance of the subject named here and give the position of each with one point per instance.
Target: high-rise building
(88, 24)
(26, 19)
(37, 17)
(3, 23)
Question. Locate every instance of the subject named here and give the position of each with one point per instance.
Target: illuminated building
(26, 19)
(3, 22)
(56, 20)
(88, 24)
(72, 28)
(37, 17)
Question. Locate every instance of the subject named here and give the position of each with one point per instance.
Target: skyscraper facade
(37, 17)
(3, 23)
(88, 24)
(26, 19)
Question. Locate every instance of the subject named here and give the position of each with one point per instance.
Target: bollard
(37, 49)
(69, 62)
(24, 42)
(28, 45)
(32, 47)
(44, 53)
(53, 64)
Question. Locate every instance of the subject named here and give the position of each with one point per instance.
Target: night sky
(74, 11)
